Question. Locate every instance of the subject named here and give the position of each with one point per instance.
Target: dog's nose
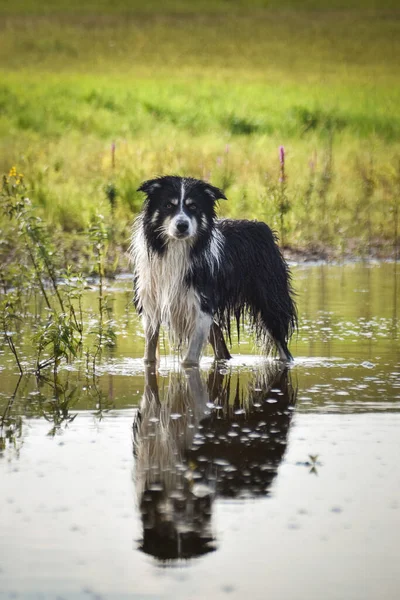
(182, 226)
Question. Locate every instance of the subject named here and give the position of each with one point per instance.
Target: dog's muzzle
(181, 228)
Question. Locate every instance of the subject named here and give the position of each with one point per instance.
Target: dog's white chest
(163, 292)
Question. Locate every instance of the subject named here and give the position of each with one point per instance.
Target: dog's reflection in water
(195, 439)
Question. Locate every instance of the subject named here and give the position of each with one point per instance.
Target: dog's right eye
(169, 205)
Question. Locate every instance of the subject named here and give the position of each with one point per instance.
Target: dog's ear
(214, 192)
(149, 186)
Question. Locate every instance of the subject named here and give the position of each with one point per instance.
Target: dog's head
(179, 208)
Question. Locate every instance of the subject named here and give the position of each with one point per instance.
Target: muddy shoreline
(328, 255)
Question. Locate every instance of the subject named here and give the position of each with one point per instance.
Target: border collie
(193, 272)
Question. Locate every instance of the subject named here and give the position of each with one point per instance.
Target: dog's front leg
(197, 340)
(151, 341)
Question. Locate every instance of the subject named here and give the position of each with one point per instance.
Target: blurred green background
(209, 89)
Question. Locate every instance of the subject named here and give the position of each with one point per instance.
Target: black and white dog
(194, 272)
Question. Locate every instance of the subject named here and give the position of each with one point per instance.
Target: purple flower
(282, 177)
(282, 154)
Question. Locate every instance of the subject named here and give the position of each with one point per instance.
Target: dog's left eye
(192, 207)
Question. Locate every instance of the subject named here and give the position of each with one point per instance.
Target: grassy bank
(210, 90)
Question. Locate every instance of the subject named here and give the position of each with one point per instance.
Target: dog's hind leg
(284, 352)
(197, 340)
(151, 341)
(218, 343)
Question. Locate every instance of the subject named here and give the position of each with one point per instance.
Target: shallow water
(246, 479)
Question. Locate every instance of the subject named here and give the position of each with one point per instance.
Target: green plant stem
(37, 272)
(14, 351)
(101, 309)
(53, 280)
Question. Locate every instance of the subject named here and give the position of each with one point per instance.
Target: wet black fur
(253, 279)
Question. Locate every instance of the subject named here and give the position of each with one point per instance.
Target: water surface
(244, 478)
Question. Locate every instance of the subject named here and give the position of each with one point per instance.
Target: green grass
(125, 7)
(208, 89)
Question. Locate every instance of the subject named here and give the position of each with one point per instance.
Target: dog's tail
(274, 326)
(273, 313)
(271, 325)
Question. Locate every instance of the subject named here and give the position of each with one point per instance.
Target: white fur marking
(180, 217)
(216, 248)
(173, 231)
(161, 289)
(182, 193)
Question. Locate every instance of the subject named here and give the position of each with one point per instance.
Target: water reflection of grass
(197, 89)
(54, 398)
